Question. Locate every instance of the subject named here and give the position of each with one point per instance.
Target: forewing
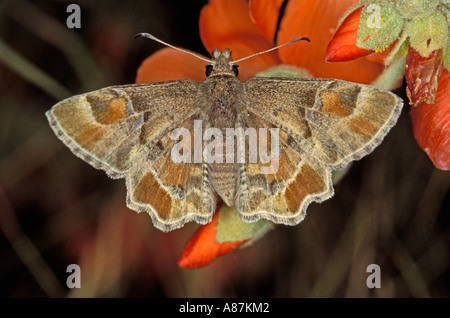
(323, 125)
(331, 121)
(126, 131)
(114, 128)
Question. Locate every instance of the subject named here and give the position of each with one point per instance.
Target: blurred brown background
(392, 208)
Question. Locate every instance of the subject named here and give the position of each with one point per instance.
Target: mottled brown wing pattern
(115, 128)
(324, 124)
(173, 193)
(284, 195)
(331, 121)
(125, 130)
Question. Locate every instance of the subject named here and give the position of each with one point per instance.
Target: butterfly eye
(235, 70)
(209, 69)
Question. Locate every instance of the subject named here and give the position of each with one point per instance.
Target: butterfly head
(221, 63)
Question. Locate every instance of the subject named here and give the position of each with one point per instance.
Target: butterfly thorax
(221, 100)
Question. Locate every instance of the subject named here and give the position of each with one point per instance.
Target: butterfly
(143, 133)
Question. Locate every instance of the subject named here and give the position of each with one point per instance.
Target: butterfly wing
(114, 128)
(173, 193)
(332, 121)
(324, 124)
(281, 189)
(125, 130)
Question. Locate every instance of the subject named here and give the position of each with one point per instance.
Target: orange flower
(343, 45)
(425, 85)
(248, 29)
(431, 125)
(203, 248)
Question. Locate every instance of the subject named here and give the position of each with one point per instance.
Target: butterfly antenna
(274, 48)
(151, 37)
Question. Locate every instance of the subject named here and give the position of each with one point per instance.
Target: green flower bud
(428, 33)
(414, 9)
(379, 26)
(231, 228)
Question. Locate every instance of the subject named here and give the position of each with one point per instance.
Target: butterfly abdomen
(223, 180)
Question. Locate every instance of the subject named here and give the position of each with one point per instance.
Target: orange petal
(318, 20)
(264, 13)
(431, 125)
(343, 45)
(170, 64)
(227, 24)
(202, 248)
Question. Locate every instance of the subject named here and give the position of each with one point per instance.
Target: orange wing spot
(116, 110)
(174, 174)
(285, 168)
(308, 181)
(150, 192)
(363, 127)
(89, 136)
(332, 103)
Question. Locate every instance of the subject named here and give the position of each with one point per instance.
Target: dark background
(391, 209)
